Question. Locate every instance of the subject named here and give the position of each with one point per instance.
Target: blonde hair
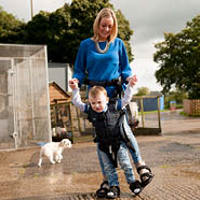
(96, 91)
(105, 12)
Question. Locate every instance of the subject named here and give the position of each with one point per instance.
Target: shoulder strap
(113, 104)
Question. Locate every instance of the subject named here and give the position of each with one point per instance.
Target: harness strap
(111, 151)
(123, 130)
(115, 82)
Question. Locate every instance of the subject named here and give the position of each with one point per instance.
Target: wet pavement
(173, 157)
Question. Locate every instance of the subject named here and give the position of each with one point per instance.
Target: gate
(6, 104)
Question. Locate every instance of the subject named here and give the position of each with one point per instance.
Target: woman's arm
(124, 65)
(80, 63)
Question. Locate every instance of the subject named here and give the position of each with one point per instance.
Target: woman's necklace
(98, 48)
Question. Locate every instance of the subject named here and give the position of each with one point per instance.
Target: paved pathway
(174, 158)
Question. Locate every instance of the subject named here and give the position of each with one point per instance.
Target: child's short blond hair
(96, 91)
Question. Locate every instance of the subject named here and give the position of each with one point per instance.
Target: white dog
(53, 150)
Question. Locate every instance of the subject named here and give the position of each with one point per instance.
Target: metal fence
(24, 96)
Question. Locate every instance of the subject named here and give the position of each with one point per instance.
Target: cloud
(145, 68)
(22, 8)
(151, 18)
(19, 8)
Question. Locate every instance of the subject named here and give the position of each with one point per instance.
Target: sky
(148, 18)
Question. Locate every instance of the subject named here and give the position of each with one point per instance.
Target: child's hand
(132, 80)
(73, 83)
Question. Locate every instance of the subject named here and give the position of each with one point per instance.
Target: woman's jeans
(109, 170)
(133, 148)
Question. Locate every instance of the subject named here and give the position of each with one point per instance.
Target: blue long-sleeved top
(102, 67)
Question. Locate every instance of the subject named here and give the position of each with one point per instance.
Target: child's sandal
(145, 177)
(103, 190)
(136, 187)
(113, 192)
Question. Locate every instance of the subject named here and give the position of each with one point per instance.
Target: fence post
(142, 111)
(158, 101)
(79, 121)
(70, 119)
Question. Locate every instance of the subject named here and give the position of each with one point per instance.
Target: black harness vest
(111, 128)
(107, 130)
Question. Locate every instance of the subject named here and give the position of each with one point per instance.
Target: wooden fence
(67, 120)
(192, 107)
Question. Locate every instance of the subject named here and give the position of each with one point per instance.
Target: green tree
(53, 30)
(11, 29)
(142, 91)
(175, 95)
(63, 30)
(179, 59)
(38, 29)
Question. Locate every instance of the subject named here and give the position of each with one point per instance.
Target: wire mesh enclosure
(24, 96)
(149, 122)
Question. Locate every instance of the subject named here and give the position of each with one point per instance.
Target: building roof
(57, 94)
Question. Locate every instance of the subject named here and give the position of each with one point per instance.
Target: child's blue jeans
(109, 169)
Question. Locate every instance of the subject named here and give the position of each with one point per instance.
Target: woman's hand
(73, 83)
(132, 80)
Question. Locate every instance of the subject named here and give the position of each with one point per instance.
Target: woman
(104, 59)
(103, 56)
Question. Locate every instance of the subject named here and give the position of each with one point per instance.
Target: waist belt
(114, 82)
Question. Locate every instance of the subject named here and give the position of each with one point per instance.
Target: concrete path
(173, 157)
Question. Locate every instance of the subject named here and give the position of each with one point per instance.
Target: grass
(187, 115)
(154, 111)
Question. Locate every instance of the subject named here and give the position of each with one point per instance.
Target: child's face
(99, 102)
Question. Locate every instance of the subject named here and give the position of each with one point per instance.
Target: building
(60, 73)
(151, 101)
